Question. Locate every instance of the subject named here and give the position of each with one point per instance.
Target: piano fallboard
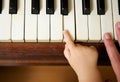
(22, 54)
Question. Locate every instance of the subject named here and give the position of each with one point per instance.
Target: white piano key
(81, 22)
(18, 23)
(106, 20)
(94, 23)
(116, 15)
(56, 24)
(5, 23)
(30, 23)
(69, 20)
(43, 23)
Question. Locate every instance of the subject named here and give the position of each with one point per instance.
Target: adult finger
(118, 31)
(113, 54)
(68, 39)
(110, 47)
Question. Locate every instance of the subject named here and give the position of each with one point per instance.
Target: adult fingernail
(107, 36)
(118, 25)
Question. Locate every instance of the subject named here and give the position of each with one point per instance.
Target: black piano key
(101, 7)
(35, 6)
(64, 7)
(0, 6)
(119, 6)
(13, 7)
(86, 7)
(49, 6)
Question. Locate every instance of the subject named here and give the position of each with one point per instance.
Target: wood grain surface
(20, 54)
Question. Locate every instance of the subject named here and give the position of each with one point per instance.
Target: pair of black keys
(100, 7)
(36, 7)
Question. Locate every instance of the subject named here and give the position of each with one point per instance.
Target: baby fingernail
(107, 36)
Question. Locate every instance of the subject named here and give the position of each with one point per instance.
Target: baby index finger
(68, 38)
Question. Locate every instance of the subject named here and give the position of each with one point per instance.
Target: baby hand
(83, 60)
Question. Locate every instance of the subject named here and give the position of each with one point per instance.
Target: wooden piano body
(38, 26)
(21, 54)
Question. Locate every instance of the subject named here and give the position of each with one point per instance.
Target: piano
(31, 30)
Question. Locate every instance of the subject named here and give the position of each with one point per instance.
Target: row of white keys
(56, 24)
(5, 23)
(18, 23)
(30, 23)
(38, 26)
(69, 20)
(116, 16)
(81, 22)
(94, 23)
(43, 24)
(106, 20)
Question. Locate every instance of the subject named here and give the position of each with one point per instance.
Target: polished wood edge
(22, 54)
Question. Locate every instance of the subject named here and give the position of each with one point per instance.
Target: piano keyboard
(44, 20)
